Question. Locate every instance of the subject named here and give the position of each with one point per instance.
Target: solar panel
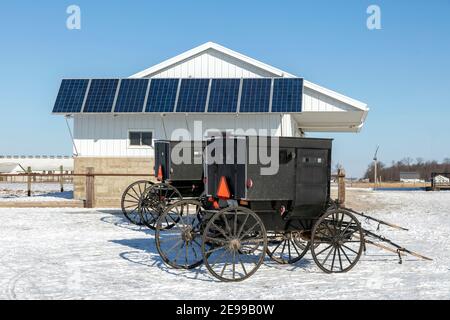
(71, 95)
(162, 95)
(255, 95)
(287, 95)
(192, 96)
(131, 95)
(101, 95)
(224, 95)
(180, 95)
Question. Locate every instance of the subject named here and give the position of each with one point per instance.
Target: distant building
(441, 180)
(19, 164)
(410, 177)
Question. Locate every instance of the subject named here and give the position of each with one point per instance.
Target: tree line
(419, 165)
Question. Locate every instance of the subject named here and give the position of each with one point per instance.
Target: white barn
(107, 141)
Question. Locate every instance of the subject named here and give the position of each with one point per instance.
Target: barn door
(312, 177)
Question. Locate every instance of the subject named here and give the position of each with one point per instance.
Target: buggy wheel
(234, 244)
(337, 241)
(154, 202)
(286, 247)
(180, 247)
(131, 199)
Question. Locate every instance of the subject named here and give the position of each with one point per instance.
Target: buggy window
(313, 161)
(285, 156)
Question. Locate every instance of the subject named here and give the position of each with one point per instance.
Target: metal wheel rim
(337, 238)
(180, 246)
(280, 244)
(130, 201)
(229, 244)
(151, 207)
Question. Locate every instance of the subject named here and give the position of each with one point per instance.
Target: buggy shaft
(399, 248)
(377, 220)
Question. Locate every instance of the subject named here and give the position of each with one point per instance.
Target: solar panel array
(255, 95)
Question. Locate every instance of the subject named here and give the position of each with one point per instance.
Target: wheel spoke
(178, 252)
(249, 231)
(334, 257)
(187, 254)
(227, 226)
(243, 267)
(242, 226)
(234, 265)
(326, 258)
(215, 249)
(340, 259)
(174, 246)
(220, 230)
(345, 255)
(289, 249)
(295, 247)
(235, 223)
(349, 249)
(276, 247)
(218, 258)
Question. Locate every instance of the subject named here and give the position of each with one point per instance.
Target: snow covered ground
(96, 254)
(39, 192)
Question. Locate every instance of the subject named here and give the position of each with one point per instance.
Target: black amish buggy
(284, 213)
(179, 177)
(243, 207)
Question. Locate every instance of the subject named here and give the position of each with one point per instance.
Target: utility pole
(375, 165)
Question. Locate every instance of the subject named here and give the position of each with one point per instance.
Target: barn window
(140, 138)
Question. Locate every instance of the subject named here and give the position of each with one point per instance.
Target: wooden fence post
(90, 187)
(341, 187)
(61, 178)
(29, 181)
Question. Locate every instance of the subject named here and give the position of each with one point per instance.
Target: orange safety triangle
(223, 192)
(160, 174)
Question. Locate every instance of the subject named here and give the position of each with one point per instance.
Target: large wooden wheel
(180, 247)
(337, 241)
(286, 247)
(234, 244)
(130, 201)
(154, 201)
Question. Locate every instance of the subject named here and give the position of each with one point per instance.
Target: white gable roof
(207, 48)
(211, 60)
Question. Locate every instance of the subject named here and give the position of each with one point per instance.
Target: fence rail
(89, 175)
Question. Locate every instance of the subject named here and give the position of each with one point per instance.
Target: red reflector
(223, 192)
(160, 174)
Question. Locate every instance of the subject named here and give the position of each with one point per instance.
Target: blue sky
(402, 71)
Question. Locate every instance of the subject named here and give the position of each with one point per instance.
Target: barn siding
(319, 102)
(107, 135)
(212, 64)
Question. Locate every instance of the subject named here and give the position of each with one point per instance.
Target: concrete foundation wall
(108, 190)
